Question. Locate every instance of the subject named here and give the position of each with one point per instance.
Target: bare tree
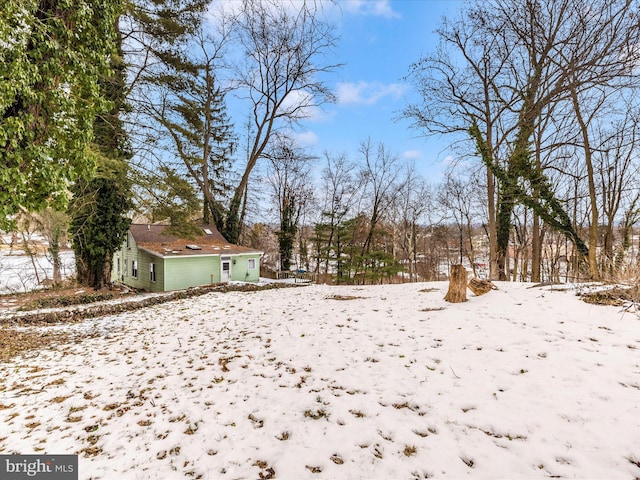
(289, 175)
(413, 203)
(616, 171)
(462, 84)
(188, 106)
(282, 59)
(546, 51)
(380, 172)
(53, 226)
(457, 196)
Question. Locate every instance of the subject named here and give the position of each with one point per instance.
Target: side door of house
(225, 269)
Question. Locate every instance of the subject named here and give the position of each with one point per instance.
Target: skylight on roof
(208, 231)
(193, 247)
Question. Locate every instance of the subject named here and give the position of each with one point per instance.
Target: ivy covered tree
(101, 204)
(53, 54)
(98, 223)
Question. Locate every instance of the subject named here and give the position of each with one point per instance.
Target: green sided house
(152, 259)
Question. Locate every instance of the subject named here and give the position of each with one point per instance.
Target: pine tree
(180, 93)
(192, 111)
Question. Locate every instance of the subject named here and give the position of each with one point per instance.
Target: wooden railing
(298, 277)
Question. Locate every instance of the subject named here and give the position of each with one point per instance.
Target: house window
(134, 268)
(118, 263)
(152, 272)
(251, 264)
(128, 241)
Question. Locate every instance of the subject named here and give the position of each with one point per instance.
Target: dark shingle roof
(155, 239)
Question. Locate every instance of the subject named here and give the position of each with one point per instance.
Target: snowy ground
(311, 383)
(20, 273)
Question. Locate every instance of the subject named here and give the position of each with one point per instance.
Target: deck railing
(298, 277)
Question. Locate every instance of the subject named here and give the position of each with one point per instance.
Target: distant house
(152, 259)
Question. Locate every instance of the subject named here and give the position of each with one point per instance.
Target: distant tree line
(119, 107)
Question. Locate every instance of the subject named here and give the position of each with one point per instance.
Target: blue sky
(379, 39)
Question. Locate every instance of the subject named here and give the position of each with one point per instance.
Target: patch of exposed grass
(16, 342)
(266, 472)
(468, 461)
(91, 451)
(634, 460)
(616, 296)
(69, 300)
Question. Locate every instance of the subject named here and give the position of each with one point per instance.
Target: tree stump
(457, 285)
(480, 287)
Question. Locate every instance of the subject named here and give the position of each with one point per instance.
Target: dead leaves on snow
(17, 342)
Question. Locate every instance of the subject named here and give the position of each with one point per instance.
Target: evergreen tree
(288, 229)
(177, 200)
(191, 110)
(53, 54)
(289, 175)
(102, 203)
(176, 88)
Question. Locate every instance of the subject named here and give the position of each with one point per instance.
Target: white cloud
(305, 106)
(367, 93)
(412, 154)
(306, 139)
(378, 8)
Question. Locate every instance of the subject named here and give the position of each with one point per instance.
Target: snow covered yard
(319, 382)
(21, 273)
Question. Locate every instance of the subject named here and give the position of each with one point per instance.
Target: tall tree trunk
(494, 271)
(536, 239)
(593, 201)
(536, 249)
(503, 233)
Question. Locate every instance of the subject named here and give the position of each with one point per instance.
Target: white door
(225, 274)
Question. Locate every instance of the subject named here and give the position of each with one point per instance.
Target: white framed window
(134, 268)
(251, 264)
(152, 272)
(118, 264)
